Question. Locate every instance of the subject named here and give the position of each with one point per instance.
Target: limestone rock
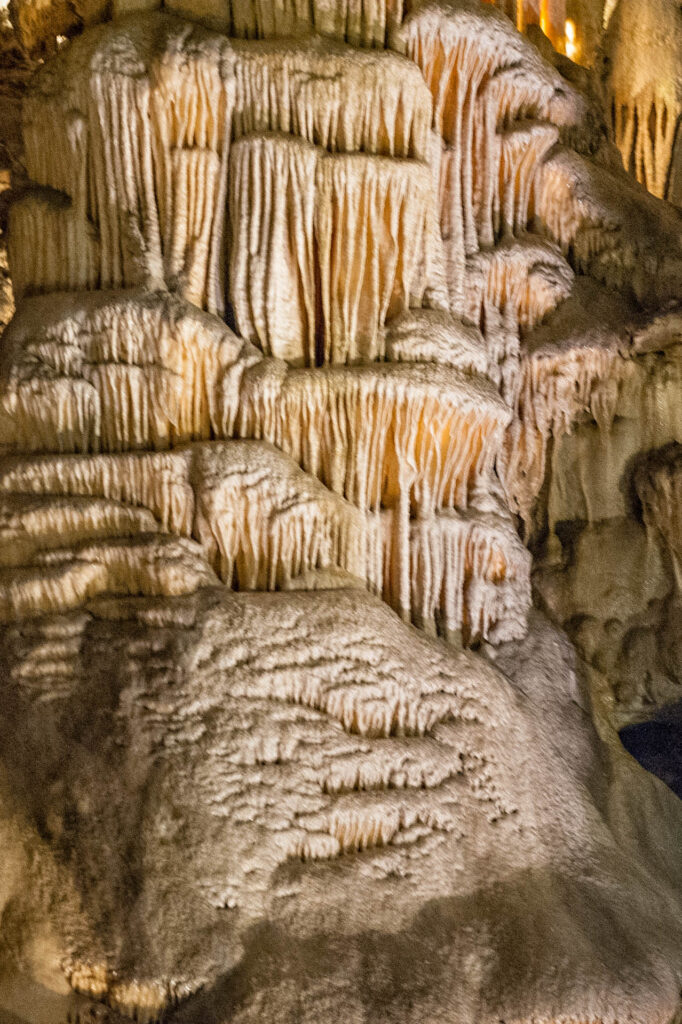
(344, 780)
(644, 81)
(318, 307)
(141, 205)
(39, 24)
(115, 371)
(298, 206)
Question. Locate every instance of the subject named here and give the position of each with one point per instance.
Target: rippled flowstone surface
(263, 798)
(327, 317)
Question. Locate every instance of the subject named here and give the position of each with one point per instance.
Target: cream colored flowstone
(295, 760)
(117, 371)
(389, 441)
(323, 248)
(643, 45)
(142, 113)
(293, 805)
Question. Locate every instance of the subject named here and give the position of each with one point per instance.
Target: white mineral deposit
(340, 529)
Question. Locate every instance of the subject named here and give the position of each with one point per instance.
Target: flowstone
(337, 327)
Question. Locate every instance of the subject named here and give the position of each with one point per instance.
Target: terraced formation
(340, 456)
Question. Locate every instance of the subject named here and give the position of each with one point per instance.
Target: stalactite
(644, 87)
(644, 128)
(591, 471)
(469, 574)
(384, 711)
(145, 1001)
(633, 245)
(371, 223)
(272, 251)
(523, 278)
(304, 267)
(378, 434)
(159, 482)
(445, 38)
(145, 114)
(502, 178)
(102, 372)
(51, 248)
(482, 77)
(502, 342)
(290, 251)
(382, 769)
(386, 818)
(359, 22)
(30, 523)
(556, 387)
(62, 578)
(523, 147)
(302, 88)
(260, 520)
(141, 111)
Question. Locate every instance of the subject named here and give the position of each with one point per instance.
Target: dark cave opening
(657, 745)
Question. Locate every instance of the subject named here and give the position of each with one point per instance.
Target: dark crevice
(657, 745)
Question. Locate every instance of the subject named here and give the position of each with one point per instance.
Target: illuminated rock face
(643, 44)
(309, 301)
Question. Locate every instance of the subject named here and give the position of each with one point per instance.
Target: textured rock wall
(644, 83)
(311, 331)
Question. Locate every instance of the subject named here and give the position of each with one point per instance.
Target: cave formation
(340, 530)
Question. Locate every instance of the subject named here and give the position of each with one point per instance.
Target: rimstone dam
(341, 512)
